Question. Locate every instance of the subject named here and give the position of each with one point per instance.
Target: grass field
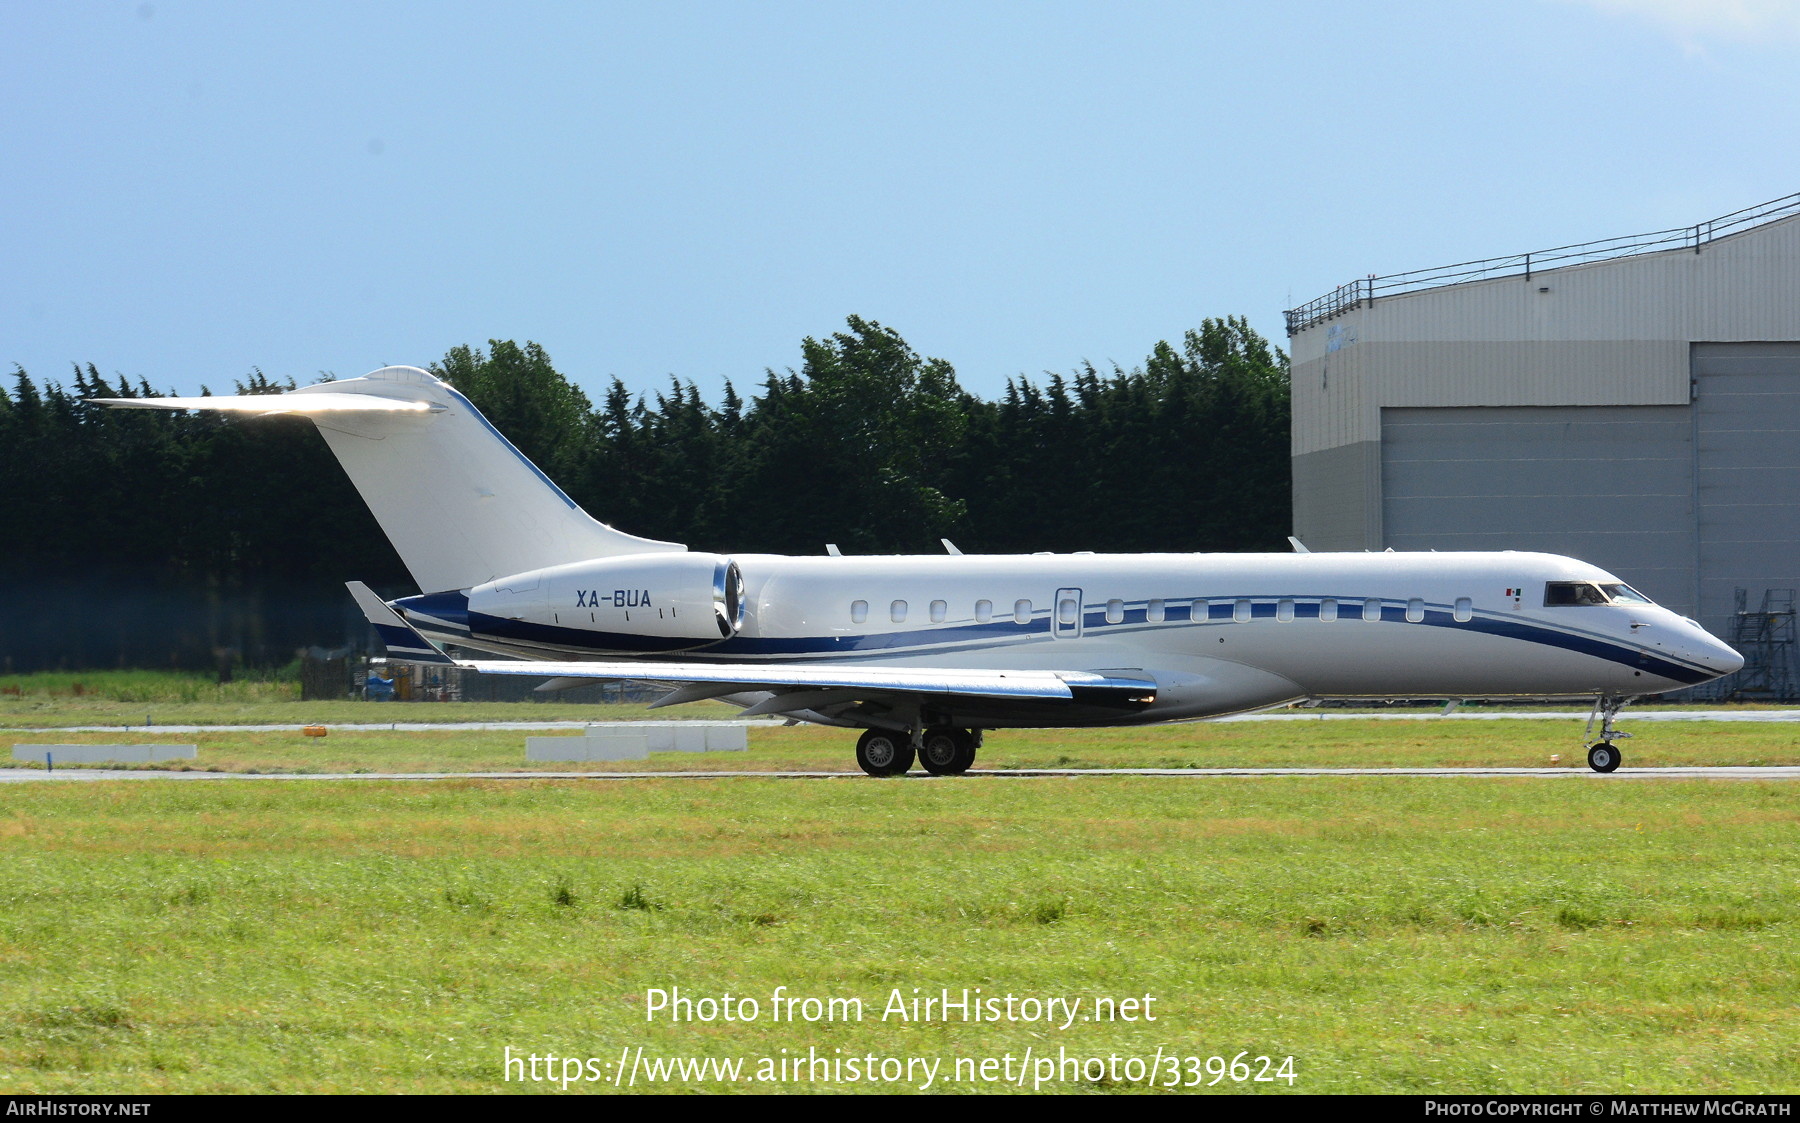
(1390, 934)
(136, 698)
(1425, 742)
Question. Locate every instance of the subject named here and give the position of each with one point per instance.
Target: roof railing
(1345, 297)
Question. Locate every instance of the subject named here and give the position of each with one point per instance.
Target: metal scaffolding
(1765, 638)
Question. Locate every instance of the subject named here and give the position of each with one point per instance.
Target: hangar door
(1613, 485)
(1748, 433)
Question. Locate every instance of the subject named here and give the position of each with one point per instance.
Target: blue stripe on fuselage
(1004, 632)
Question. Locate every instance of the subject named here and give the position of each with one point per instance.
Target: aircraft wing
(1063, 686)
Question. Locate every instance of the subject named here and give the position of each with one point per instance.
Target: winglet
(402, 640)
(1298, 548)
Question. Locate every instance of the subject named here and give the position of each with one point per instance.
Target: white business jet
(926, 653)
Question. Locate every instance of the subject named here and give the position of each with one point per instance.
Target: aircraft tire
(882, 752)
(1603, 757)
(947, 752)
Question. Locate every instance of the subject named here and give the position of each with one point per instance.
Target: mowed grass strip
(1421, 742)
(249, 707)
(1391, 934)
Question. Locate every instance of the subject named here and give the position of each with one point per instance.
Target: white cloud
(1695, 23)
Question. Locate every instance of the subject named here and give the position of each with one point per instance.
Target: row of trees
(142, 537)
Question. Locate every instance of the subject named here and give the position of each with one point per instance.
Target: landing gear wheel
(947, 752)
(1603, 758)
(882, 752)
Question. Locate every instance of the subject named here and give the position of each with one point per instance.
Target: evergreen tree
(209, 531)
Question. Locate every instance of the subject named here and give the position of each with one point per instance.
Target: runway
(76, 775)
(1283, 715)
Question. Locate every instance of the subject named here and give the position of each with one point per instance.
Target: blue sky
(194, 189)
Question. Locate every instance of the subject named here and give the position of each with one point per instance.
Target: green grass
(1391, 934)
(56, 714)
(129, 698)
(79, 689)
(1425, 742)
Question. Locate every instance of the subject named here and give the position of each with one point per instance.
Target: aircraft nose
(1710, 651)
(1721, 657)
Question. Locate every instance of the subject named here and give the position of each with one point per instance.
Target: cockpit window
(1558, 593)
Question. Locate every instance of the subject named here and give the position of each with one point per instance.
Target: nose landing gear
(1603, 755)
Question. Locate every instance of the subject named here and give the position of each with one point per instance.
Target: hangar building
(1634, 402)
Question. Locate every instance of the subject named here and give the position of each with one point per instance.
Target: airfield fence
(424, 683)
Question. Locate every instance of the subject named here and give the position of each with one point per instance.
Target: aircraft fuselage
(1219, 633)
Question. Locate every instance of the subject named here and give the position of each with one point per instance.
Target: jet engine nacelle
(669, 601)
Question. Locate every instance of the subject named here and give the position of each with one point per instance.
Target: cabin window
(1240, 611)
(1021, 612)
(1328, 609)
(859, 612)
(984, 611)
(938, 609)
(1284, 609)
(1153, 612)
(1067, 611)
(897, 612)
(1371, 609)
(1558, 594)
(1465, 610)
(1115, 611)
(1415, 610)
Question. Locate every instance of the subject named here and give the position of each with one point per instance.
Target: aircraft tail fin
(461, 505)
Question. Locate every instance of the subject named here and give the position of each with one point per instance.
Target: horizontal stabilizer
(279, 403)
(402, 640)
(460, 503)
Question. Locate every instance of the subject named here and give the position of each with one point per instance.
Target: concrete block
(615, 746)
(727, 737)
(619, 744)
(689, 736)
(634, 740)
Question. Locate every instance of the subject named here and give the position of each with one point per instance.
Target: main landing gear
(944, 751)
(1603, 755)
